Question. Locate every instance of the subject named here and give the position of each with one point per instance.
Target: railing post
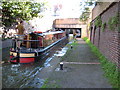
(30, 44)
(16, 44)
(18, 55)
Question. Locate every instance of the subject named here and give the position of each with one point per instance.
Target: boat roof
(47, 33)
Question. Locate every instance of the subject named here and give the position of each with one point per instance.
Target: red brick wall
(109, 43)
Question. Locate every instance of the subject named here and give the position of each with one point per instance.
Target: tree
(86, 11)
(11, 11)
(85, 15)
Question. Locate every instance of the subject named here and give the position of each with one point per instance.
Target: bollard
(61, 65)
(71, 46)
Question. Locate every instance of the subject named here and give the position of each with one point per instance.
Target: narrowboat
(34, 45)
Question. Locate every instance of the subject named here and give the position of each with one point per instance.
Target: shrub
(113, 22)
(98, 22)
(103, 27)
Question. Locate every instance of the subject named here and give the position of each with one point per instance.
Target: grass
(74, 44)
(110, 69)
(47, 84)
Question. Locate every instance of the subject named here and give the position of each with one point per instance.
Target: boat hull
(23, 60)
(30, 57)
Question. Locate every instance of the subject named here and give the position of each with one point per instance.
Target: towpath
(81, 70)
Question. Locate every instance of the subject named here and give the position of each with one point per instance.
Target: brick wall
(99, 8)
(108, 41)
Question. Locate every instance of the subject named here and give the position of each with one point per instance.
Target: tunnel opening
(71, 31)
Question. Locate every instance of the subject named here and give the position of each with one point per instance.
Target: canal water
(19, 75)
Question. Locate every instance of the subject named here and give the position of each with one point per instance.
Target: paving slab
(81, 69)
(78, 75)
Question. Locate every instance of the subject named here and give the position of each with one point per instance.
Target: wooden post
(28, 43)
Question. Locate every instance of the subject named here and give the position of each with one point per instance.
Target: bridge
(71, 25)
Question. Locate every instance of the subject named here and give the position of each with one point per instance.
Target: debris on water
(47, 54)
(34, 72)
(46, 64)
(16, 65)
(37, 71)
(14, 69)
(37, 83)
(62, 52)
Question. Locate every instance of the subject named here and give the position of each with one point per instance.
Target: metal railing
(35, 42)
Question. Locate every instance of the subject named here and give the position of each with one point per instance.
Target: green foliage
(113, 22)
(111, 27)
(47, 84)
(85, 38)
(103, 27)
(74, 44)
(90, 3)
(111, 72)
(91, 23)
(98, 22)
(19, 10)
(110, 69)
(85, 14)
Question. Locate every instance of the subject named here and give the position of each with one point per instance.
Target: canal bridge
(71, 25)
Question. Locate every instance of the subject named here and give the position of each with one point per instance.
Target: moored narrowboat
(34, 45)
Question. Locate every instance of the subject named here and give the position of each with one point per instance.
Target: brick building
(106, 35)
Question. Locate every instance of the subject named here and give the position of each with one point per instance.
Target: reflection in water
(19, 75)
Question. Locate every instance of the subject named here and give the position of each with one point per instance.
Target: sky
(65, 9)
(68, 9)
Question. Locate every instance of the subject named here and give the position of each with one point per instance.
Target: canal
(20, 75)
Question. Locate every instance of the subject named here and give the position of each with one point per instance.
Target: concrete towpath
(81, 70)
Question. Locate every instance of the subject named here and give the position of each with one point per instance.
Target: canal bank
(81, 69)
